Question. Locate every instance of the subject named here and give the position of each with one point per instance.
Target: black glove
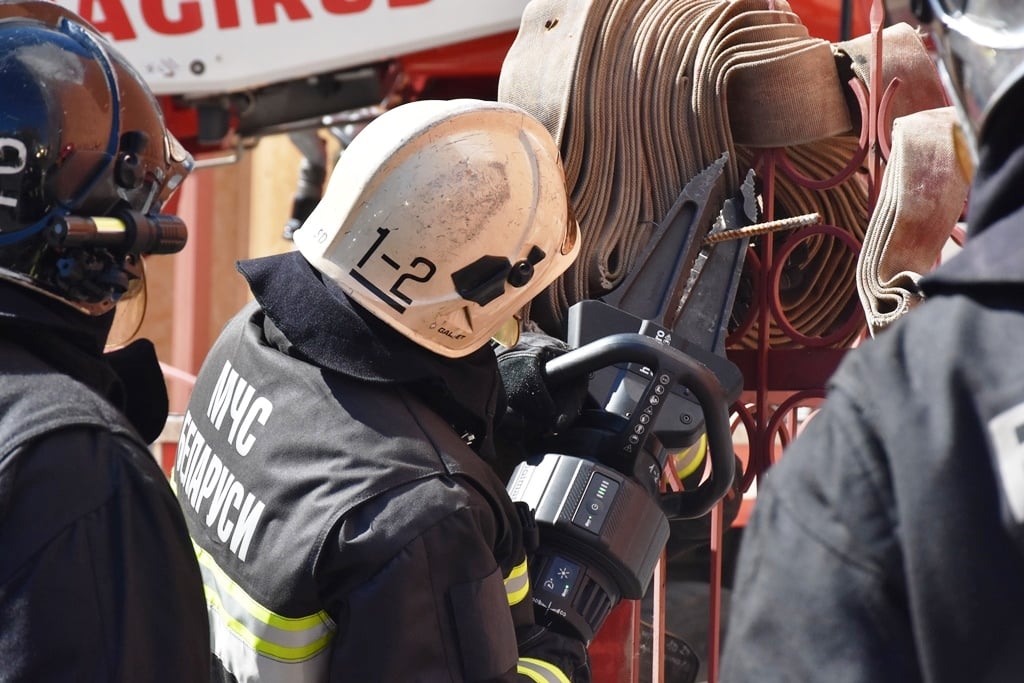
(566, 653)
(534, 409)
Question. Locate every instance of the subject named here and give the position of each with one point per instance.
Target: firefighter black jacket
(98, 580)
(347, 527)
(888, 542)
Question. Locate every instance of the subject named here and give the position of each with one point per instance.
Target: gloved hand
(567, 654)
(534, 409)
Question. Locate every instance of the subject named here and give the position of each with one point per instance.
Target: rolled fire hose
(642, 95)
(922, 196)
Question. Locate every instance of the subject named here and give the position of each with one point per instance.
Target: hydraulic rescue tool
(654, 355)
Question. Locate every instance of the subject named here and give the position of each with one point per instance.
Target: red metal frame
(782, 378)
(781, 381)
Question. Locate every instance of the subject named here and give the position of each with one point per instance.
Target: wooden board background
(250, 203)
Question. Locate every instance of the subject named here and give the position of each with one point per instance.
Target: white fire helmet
(444, 218)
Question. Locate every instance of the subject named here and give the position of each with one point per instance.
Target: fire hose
(922, 195)
(642, 96)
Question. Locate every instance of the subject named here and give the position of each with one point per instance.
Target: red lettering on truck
(115, 21)
(227, 14)
(346, 6)
(109, 16)
(156, 18)
(293, 9)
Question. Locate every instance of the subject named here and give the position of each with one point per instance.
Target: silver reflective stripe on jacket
(539, 671)
(254, 643)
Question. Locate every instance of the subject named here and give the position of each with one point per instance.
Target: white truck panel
(196, 47)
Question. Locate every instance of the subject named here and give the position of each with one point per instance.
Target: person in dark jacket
(333, 462)
(888, 542)
(98, 581)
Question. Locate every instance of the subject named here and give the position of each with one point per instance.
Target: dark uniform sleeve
(819, 583)
(438, 609)
(544, 655)
(98, 581)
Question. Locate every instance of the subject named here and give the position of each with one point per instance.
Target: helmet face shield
(980, 44)
(150, 164)
(444, 218)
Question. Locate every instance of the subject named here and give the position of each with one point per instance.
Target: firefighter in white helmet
(333, 460)
(98, 580)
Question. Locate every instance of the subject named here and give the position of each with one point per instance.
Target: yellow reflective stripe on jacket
(249, 638)
(517, 583)
(539, 671)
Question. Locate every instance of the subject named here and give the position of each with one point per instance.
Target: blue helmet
(86, 162)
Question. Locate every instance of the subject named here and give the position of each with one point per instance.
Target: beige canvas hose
(642, 95)
(923, 192)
